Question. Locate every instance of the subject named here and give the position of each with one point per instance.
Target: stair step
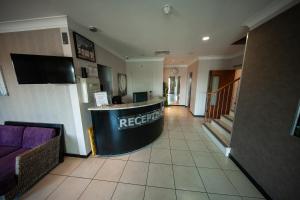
(227, 119)
(231, 113)
(217, 134)
(231, 118)
(223, 125)
(218, 138)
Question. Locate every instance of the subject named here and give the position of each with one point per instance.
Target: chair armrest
(35, 163)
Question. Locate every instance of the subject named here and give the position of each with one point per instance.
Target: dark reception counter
(123, 128)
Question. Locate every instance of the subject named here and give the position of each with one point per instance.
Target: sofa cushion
(5, 150)
(11, 135)
(8, 178)
(34, 136)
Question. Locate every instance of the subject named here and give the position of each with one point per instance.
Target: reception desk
(123, 128)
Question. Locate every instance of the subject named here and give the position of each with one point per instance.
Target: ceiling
(137, 28)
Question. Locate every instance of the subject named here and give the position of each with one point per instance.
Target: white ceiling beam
(33, 24)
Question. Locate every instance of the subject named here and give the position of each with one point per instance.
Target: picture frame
(122, 84)
(84, 48)
(3, 88)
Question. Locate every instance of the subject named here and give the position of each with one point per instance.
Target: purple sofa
(26, 154)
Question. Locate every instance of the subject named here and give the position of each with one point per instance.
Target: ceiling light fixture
(205, 38)
(167, 9)
(93, 29)
(162, 52)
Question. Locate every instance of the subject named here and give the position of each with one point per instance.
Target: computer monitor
(140, 96)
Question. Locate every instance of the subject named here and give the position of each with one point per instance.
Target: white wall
(193, 68)
(145, 76)
(103, 57)
(48, 103)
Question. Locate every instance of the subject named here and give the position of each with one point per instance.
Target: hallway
(182, 164)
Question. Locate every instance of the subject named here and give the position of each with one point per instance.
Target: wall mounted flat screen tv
(39, 69)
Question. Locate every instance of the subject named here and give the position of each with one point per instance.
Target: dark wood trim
(78, 155)
(251, 179)
(200, 116)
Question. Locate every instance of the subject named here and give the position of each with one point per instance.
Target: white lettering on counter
(139, 120)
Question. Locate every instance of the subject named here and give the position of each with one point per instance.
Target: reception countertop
(128, 105)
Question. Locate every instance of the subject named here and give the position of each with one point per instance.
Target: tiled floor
(182, 164)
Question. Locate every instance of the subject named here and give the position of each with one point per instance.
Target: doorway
(190, 78)
(105, 76)
(218, 103)
(173, 90)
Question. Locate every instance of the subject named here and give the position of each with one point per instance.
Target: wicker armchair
(33, 164)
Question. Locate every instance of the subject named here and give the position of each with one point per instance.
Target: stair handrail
(217, 93)
(224, 86)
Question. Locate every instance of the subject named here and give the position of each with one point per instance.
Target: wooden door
(219, 103)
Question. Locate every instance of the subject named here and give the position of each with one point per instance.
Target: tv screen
(140, 97)
(38, 69)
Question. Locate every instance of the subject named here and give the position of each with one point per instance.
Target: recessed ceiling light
(205, 38)
(93, 29)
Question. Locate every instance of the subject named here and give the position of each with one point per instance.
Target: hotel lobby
(149, 100)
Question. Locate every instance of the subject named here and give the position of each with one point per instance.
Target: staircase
(219, 115)
(219, 131)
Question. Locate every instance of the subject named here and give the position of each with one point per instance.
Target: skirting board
(201, 116)
(252, 180)
(77, 155)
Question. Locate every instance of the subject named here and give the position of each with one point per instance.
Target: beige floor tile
(44, 187)
(88, 167)
(242, 184)
(174, 128)
(70, 189)
(251, 198)
(161, 156)
(68, 166)
(197, 146)
(164, 134)
(192, 136)
(142, 155)
(224, 162)
(178, 144)
(223, 197)
(189, 195)
(180, 157)
(124, 157)
(176, 135)
(161, 144)
(111, 170)
(187, 178)
(99, 190)
(212, 147)
(153, 193)
(160, 175)
(135, 173)
(129, 192)
(215, 181)
(204, 159)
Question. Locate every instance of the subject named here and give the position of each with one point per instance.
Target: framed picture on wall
(3, 88)
(85, 49)
(122, 84)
